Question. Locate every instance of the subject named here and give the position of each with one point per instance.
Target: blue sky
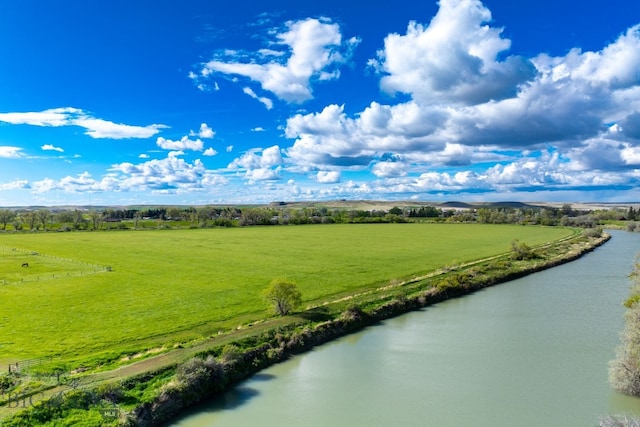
(197, 102)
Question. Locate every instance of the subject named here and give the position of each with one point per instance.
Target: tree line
(232, 216)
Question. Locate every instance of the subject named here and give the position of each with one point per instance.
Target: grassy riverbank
(156, 391)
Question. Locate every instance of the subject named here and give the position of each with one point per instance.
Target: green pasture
(23, 266)
(98, 295)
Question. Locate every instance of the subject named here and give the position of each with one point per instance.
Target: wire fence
(73, 267)
(26, 365)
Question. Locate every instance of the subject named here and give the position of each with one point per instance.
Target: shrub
(624, 372)
(200, 376)
(6, 382)
(633, 299)
(623, 421)
(456, 280)
(353, 312)
(230, 353)
(111, 391)
(592, 232)
(521, 251)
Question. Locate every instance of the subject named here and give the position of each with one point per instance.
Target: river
(531, 352)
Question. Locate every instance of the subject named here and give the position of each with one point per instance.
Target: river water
(531, 352)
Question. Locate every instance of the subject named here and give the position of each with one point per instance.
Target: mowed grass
(168, 286)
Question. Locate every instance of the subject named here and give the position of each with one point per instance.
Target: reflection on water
(533, 352)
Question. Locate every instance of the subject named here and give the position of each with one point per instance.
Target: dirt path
(178, 355)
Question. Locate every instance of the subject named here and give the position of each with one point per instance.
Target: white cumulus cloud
(9, 152)
(183, 144)
(471, 105)
(328, 177)
(312, 50)
(205, 132)
(49, 147)
(18, 184)
(454, 59)
(95, 127)
(260, 164)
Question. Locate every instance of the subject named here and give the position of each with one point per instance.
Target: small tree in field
(283, 295)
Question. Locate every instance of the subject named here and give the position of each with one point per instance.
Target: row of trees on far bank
(230, 216)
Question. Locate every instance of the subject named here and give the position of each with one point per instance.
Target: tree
(174, 213)
(204, 214)
(30, 218)
(64, 218)
(624, 370)
(43, 216)
(256, 216)
(137, 216)
(484, 215)
(109, 213)
(395, 211)
(283, 295)
(97, 219)
(17, 223)
(6, 216)
(566, 210)
(78, 219)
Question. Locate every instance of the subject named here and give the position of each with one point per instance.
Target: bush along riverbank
(624, 370)
(156, 397)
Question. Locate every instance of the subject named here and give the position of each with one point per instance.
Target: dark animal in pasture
(26, 264)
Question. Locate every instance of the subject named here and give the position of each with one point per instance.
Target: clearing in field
(165, 287)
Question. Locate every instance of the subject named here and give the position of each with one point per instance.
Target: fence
(68, 267)
(23, 366)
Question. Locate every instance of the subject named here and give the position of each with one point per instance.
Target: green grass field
(170, 286)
